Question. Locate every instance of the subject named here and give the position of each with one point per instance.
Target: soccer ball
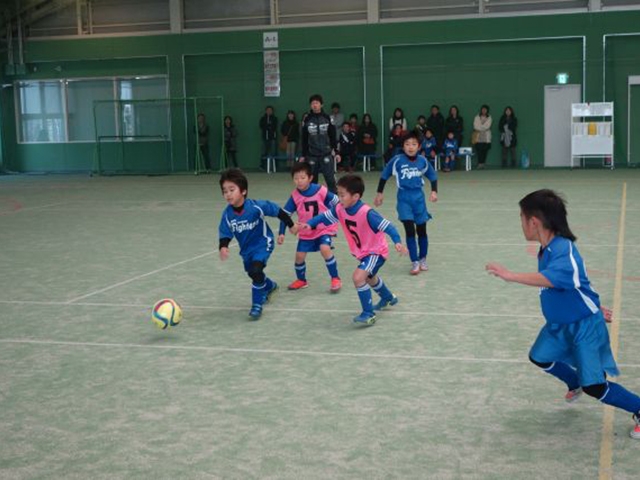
(166, 313)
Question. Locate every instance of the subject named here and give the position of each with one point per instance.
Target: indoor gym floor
(440, 387)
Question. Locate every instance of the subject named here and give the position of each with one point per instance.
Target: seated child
(450, 147)
(429, 147)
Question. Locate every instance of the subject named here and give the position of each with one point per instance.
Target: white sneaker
(415, 268)
(423, 265)
(635, 432)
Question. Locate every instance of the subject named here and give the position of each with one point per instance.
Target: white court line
(311, 353)
(33, 208)
(292, 310)
(138, 277)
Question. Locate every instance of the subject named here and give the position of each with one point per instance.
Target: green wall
(458, 61)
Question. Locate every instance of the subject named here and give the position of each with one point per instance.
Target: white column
(176, 14)
(595, 5)
(275, 14)
(373, 11)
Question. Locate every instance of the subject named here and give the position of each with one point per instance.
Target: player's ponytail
(550, 208)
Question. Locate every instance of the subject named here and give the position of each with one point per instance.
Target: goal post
(155, 136)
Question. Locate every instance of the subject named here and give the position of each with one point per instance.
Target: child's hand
(607, 313)
(300, 159)
(497, 270)
(433, 197)
(338, 158)
(280, 239)
(379, 198)
(294, 229)
(433, 154)
(224, 253)
(304, 226)
(401, 249)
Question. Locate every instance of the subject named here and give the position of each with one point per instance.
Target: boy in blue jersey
(573, 346)
(245, 220)
(450, 148)
(429, 147)
(364, 230)
(409, 168)
(307, 200)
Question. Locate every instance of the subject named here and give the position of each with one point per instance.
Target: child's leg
(452, 162)
(329, 260)
(380, 287)
(260, 288)
(360, 277)
(615, 395)
(561, 371)
(423, 240)
(300, 266)
(410, 232)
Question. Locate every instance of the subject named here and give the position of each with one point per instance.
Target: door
(633, 132)
(557, 123)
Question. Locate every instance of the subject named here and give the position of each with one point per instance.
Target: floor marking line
(279, 309)
(605, 470)
(138, 277)
(266, 351)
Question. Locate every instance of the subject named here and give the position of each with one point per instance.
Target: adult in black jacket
(436, 123)
(508, 139)
(319, 143)
(269, 129)
(454, 123)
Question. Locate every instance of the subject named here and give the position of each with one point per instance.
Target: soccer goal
(157, 136)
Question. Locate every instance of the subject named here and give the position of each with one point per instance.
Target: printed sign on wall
(271, 73)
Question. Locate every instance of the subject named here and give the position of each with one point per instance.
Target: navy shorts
(313, 245)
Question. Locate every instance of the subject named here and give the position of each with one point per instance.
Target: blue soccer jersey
(249, 226)
(450, 147)
(409, 173)
(429, 145)
(571, 298)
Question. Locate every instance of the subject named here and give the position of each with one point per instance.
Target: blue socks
(423, 243)
(258, 293)
(381, 289)
(413, 248)
(301, 271)
(565, 373)
(332, 266)
(618, 396)
(364, 293)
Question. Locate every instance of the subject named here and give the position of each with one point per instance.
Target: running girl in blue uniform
(573, 346)
(409, 168)
(245, 220)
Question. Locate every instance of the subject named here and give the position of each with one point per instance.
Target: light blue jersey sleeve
(290, 208)
(560, 269)
(380, 224)
(430, 172)
(327, 218)
(387, 172)
(269, 208)
(223, 230)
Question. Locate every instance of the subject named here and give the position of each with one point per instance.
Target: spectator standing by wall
(436, 123)
(454, 123)
(230, 142)
(337, 117)
(290, 131)
(269, 129)
(481, 138)
(508, 125)
(203, 140)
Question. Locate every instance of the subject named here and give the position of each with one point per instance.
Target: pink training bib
(363, 241)
(309, 207)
